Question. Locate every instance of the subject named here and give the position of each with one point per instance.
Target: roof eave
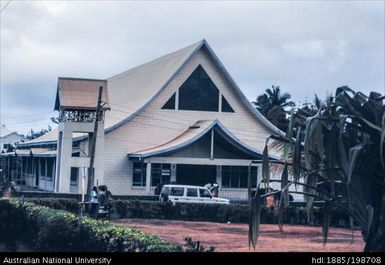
(228, 135)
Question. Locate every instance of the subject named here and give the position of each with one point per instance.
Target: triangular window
(226, 106)
(170, 104)
(199, 92)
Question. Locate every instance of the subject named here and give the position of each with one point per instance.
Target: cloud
(305, 47)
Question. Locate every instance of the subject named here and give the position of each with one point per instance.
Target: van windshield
(204, 193)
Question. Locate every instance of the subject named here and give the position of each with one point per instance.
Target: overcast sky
(303, 47)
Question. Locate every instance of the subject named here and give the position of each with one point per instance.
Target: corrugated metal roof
(191, 135)
(46, 153)
(46, 138)
(77, 93)
(193, 131)
(23, 152)
(134, 89)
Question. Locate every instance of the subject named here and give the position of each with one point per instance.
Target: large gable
(131, 91)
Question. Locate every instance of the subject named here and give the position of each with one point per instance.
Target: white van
(189, 194)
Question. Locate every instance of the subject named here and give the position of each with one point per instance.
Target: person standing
(94, 202)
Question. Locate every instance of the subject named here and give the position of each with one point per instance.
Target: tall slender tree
(272, 104)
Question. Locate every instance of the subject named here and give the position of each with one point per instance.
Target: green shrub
(71, 205)
(46, 229)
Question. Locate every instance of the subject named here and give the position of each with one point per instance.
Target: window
(160, 174)
(198, 92)
(236, 176)
(192, 193)
(139, 174)
(170, 104)
(50, 169)
(42, 168)
(226, 106)
(74, 176)
(204, 193)
(176, 191)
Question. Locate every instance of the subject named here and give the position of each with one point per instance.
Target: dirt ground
(233, 237)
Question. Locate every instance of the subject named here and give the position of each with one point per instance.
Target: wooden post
(91, 172)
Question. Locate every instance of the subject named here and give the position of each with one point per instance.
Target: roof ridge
(201, 42)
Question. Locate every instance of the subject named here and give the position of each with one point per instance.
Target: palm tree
(272, 105)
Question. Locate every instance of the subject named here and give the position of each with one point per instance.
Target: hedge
(44, 194)
(234, 213)
(41, 228)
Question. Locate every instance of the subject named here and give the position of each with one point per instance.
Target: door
(197, 175)
(192, 195)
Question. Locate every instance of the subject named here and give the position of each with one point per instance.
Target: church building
(179, 118)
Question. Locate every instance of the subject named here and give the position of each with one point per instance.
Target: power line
(9, 1)
(29, 115)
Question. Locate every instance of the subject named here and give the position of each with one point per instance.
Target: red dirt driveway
(233, 237)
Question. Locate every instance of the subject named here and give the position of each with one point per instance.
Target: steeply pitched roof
(76, 93)
(131, 91)
(136, 87)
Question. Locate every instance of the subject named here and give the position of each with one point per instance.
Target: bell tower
(77, 103)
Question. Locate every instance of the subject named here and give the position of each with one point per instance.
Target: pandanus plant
(338, 158)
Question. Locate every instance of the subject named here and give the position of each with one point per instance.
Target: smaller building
(9, 138)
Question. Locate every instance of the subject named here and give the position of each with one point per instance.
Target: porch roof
(43, 152)
(34, 152)
(191, 135)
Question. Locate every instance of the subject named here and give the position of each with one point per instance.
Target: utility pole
(91, 173)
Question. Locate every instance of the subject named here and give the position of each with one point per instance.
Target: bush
(45, 229)
(70, 205)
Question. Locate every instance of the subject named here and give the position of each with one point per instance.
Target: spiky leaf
(266, 166)
(284, 181)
